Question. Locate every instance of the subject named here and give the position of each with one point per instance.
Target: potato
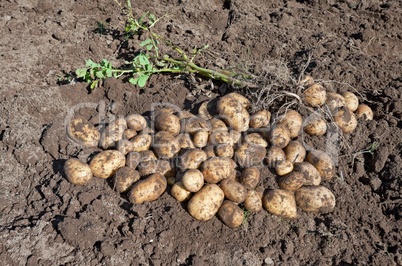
(193, 124)
(230, 214)
(180, 193)
(83, 133)
(233, 113)
(203, 111)
(216, 169)
(256, 139)
(129, 134)
(316, 127)
(192, 159)
(141, 142)
(365, 112)
(260, 191)
(335, 101)
(105, 163)
(234, 136)
(279, 136)
(225, 150)
(113, 133)
(147, 130)
(210, 151)
(183, 114)
(125, 146)
(311, 175)
(315, 199)
(247, 155)
(281, 203)
(200, 138)
(274, 156)
(125, 177)
(233, 190)
(136, 122)
(352, 102)
(250, 177)
(295, 152)
(345, 119)
(206, 202)
(292, 181)
(133, 159)
(293, 121)
(147, 156)
(77, 171)
(166, 168)
(315, 95)
(185, 141)
(307, 81)
(165, 145)
(167, 122)
(171, 181)
(260, 119)
(193, 180)
(323, 163)
(240, 98)
(283, 167)
(253, 201)
(217, 124)
(219, 137)
(148, 189)
(148, 167)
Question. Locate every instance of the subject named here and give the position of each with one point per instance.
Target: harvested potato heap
(212, 160)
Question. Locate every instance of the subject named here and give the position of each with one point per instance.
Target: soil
(355, 46)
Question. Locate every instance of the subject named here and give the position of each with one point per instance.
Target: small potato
(317, 127)
(235, 137)
(230, 214)
(206, 202)
(295, 152)
(292, 181)
(283, 167)
(279, 136)
(180, 193)
(315, 95)
(141, 142)
(280, 203)
(274, 156)
(256, 139)
(216, 169)
(105, 163)
(253, 201)
(311, 175)
(217, 124)
(225, 150)
(171, 181)
(352, 101)
(147, 156)
(193, 124)
(233, 112)
(219, 137)
(136, 122)
(77, 171)
(192, 159)
(323, 163)
(335, 101)
(165, 121)
(260, 119)
(345, 119)
(125, 177)
(207, 109)
(148, 189)
(248, 155)
(125, 146)
(165, 145)
(83, 133)
(133, 159)
(129, 134)
(293, 121)
(149, 167)
(185, 141)
(233, 190)
(307, 81)
(365, 112)
(240, 98)
(315, 199)
(250, 177)
(200, 138)
(193, 180)
(113, 133)
(210, 151)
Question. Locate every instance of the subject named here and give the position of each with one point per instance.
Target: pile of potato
(213, 159)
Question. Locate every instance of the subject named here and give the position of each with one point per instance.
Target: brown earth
(47, 220)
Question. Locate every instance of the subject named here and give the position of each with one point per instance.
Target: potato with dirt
(315, 199)
(216, 169)
(247, 155)
(180, 193)
(141, 142)
(165, 145)
(311, 175)
(230, 214)
(133, 159)
(315, 95)
(218, 124)
(345, 119)
(279, 136)
(168, 122)
(234, 191)
(200, 138)
(106, 163)
(136, 122)
(293, 121)
(283, 167)
(219, 137)
(250, 177)
(206, 202)
(295, 152)
(233, 112)
(113, 133)
(274, 156)
(260, 119)
(193, 180)
(77, 172)
(185, 141)
(281, 203)
(365, 112)
(83, 133)
(124, 178)
(253, 201)
(193, 124)
(125, 146)
(316, 127)
(192, 159)
(225, 150)
(323, 163)
(335, 101)
(148, 189)
(256, 139)
(352, 102)
(291, 181)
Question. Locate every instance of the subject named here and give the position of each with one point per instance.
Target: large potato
(165, 121)
(142, 142)
(136, 122)
(311, 175)
(280, 202)
(192, 159)
(345, 119)
(234, 113)
(315, 199)
(250, 177)
(148, 189)
(77, 171)
(292, 181)
(335, 101)
(315, 95)
(193, 180)
(233, 190)
(253, 201)
(180, 193)
(200, 138)
(105, 163)
(113, 133)
(260, 119)
(365, 112)
(274, 156)
(256, 139)
(352, 101)
(165, 145)
(125, 177)
(316, 127)
(206, 202)
(216, 169)
(230, 214)
(248, 155)
(293, 121)
(279, 136)
(323, 163)
(83, 133)
(295, 152)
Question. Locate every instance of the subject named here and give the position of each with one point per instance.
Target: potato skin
(230, 214)
(210, 151)
(83, 133)
(250, 177)
(315, 199)
(292, 181)
(240, 98)
(216, 169)
(217, 124)
(125, 146)
(165, 145)
(148, 189)
(335, 101)
(233, 190)
(192, 159)
(206, 202)
(315, 95)
(105, 164)
(225, 150)
(280, 202)
(317, 127)
(113, 133)
(133, 159)
(274, 156)
(293, 121)
(295, 152)
(284, 168)
(77, 171)
(192, 124)
(365, 112)
(253, 201)
(279, 136)
(256, 139)
(185, 141)
(141, 142)
(260, 119)
(219, 137)
(166, 121)
(129, 133)
(352, 102)
(323, 163)
(234, 113)
(345, 119)
(136, 122)
(193, 180)
(125, 177)
(200, 138)
(180, 193)
(248, 155)
(311, 175)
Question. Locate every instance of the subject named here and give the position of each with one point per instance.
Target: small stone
(375, 183)
(268, 261)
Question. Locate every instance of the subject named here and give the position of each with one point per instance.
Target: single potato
(225, 150)
(279, 136)
(365, 112)
(323, 163)
(352, 101)
(165, 145)
(253, 201)
(105, 163)
(234, 113)
(295, 152)
(125, 177)
(292, 181)
(148, 189)
(315, 95)
(311, 175)
(129, 133)
(274, 156)
(240, 98)
(200, 138)
(125, 146)
(218, 124)
(250, 177)
(233, 190)
(248, 155)
(293, 121)
(315, 199)
(136, 122)
(180, 193)
(316, 127)
(141, 142)
(335, 101)
(260, 119)
(166, 121)
(345, 119)
(192, 159)
(281, 203)
(283, 167)
(77, 172)
(230, 214)
(256, 139)
(206, 202)
(83, 133)
(216, 169)
(219, 137)
(193, 180)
